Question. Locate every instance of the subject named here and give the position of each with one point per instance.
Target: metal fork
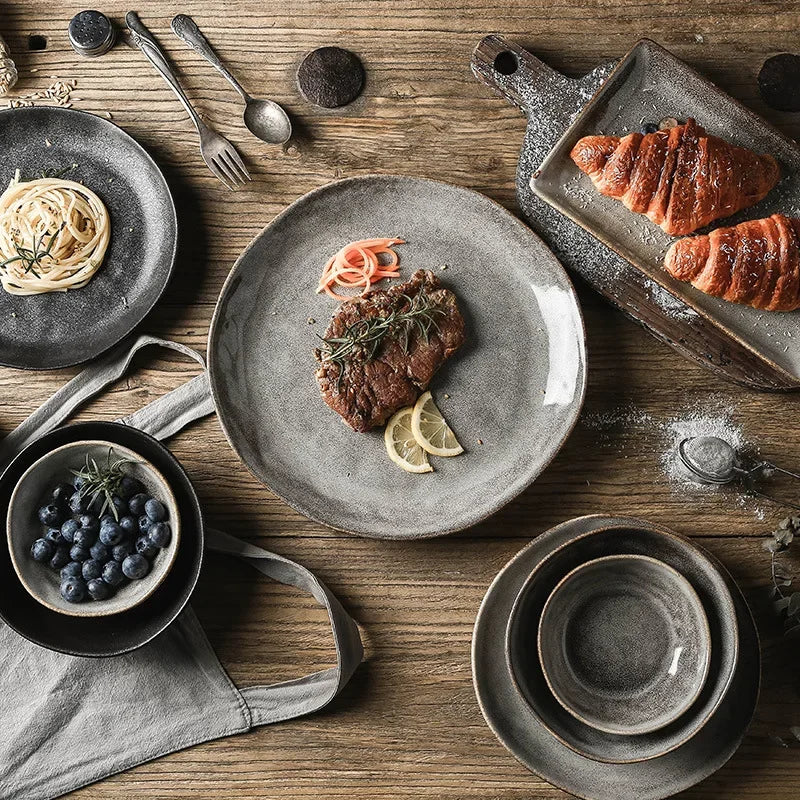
(218, 153)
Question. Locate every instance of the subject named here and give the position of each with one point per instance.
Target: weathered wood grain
(409, 725)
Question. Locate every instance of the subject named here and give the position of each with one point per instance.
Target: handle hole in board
(506, 63)
(37, 42)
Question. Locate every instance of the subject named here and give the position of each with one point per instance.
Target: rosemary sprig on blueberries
(364, 337)
(106, 481)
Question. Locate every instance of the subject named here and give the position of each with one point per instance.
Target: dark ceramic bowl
(522, 656)
(128, 630)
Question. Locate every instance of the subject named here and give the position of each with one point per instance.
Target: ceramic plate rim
(575, 406)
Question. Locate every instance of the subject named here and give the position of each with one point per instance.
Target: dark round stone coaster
(330, 77)
(779, 82)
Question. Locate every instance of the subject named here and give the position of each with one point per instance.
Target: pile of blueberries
(97, 554)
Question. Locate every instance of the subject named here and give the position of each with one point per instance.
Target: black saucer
(118, 633)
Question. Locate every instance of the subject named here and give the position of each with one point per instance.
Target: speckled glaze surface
(739, 343)
(517, 385)
(23, 526)
(585, 541)
(624, 644)
(117, 633)
(520, 730)
(64, 328)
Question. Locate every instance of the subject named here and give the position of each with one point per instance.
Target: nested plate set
(611, 657)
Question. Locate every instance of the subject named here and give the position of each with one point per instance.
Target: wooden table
(409, 725)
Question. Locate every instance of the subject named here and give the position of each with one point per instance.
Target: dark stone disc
(779, 82)
(330, 77)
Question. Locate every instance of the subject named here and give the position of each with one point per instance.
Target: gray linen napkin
(69, 721)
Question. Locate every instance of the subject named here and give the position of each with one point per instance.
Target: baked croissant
(755, 262)
(680, 178)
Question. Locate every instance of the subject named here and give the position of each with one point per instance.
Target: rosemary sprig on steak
(364, 337)
(382, 348)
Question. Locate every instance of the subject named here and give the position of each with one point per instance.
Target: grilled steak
(382, 349)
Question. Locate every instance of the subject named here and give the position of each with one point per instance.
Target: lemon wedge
(401, 445)
(430, 430)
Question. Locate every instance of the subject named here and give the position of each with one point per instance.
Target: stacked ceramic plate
(616, 659)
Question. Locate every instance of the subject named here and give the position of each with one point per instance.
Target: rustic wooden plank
(409, 725)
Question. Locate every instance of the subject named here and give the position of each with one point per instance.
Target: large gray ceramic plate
(520, 730)
(516, 386)
(58, 329)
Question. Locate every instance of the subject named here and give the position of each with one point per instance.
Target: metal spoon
(264, 119)
(713, 460)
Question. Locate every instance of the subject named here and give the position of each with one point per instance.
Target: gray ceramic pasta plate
(59, 329)
(521, 731)
(512, 394)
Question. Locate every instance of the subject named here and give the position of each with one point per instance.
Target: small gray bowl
(23, 527)
(624, 644)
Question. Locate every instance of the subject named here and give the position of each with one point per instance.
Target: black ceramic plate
(120, 633)
(63, 328)
(511, 394)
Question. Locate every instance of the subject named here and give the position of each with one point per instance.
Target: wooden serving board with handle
(550, 102)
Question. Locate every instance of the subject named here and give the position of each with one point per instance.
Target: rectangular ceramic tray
(646, 86)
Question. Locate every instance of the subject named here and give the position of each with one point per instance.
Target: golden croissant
(755, 262)
(681, 178)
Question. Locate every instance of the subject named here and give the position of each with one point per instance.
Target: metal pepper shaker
(91, 33)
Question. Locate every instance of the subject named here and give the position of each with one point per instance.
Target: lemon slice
(401, 445)
(431, 431)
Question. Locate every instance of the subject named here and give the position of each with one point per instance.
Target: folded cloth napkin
(69, 721)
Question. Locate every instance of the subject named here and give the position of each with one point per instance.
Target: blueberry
(649, 127)
(145, 547)
(144, 524)
(135, 566)
(68, 529)
(50, 515)
(61, 494)
(91, 569)
(136, 504)
(71, 570)
(120, 506)
(111, 534)
(60, 557)
(129, 525)
(159, 534)
(155, 510)
(89, 522)
(54, 536)
(84, 538)
(42, 550)
(78, 482)
(73, 590)
(99, 552)
(98, 589)
(79, 553)
(106, 518)
(121, 551)
(78, 503)
(128, 487)
(112, 574)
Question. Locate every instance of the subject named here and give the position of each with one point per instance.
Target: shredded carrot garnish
(360, 265)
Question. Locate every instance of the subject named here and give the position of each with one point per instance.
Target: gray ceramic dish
(648, 85)
(60, 329)
(522, 657)
(521, 731)
(23, 527)
(624, 644)
(515, 389)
